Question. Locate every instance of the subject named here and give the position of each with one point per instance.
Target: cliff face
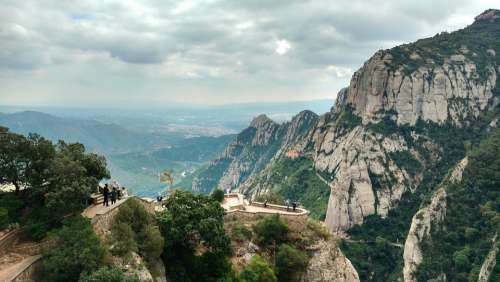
(447, 81)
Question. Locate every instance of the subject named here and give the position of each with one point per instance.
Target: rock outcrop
(328, 263)
(490, 262)
(424, 220)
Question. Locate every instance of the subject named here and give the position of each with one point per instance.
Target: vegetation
(477, 38)
(271, 230)
(76, 249)
(289, 263)
(51, 181)
(257, 271)
(296, 180)
(191, 223)
(240, 233)
(134, 230)
(471, 221)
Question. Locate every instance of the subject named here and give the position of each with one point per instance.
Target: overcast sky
(155, 52)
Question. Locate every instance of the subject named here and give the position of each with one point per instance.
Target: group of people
(113, 192)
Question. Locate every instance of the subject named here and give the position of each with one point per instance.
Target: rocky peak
(261, 121)
(490, 15)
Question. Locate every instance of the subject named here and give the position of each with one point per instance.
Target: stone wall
(242, 215)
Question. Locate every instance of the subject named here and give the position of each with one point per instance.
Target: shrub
(318, 229)
(12, 205)
(152, 243)
(290, 262)
(257, 271)
(38, 224)
(77, 250)
(4, 218)
(123, 239)
(106, 274)
(240, 232)
(218, 195)
(271, 229)
(133, 212)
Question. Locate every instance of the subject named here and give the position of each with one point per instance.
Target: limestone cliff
(447, 80)
(424, 220)
(329, 264)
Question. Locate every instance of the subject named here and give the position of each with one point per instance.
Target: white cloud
(282, 47)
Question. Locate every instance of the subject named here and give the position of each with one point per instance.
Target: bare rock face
(489, 262)
(424, 220)
(449, 91)
(354, 159)
(328, 263)
(421, 225)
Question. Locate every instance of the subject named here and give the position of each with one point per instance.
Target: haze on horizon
(149, 52)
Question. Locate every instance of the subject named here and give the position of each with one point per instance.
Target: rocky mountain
(410, 115)
(253, 149)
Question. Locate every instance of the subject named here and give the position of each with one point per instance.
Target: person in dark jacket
(113, 196)
(105, 193)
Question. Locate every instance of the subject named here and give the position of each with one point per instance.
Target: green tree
(190, 223)
(290, 263)
(271, 229)
(77, 249)
(257, 271)
(217, 195)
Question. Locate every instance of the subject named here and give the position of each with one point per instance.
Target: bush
(77, 249)
(271, 229)
(218, 195)
(4, 218)
(11, 205)
(257, 271)
(240, 232)
(290, 262)
(38, 224)
(133, 212)
(134, 230)
(123, 239)
(107, 274)
(152, 243)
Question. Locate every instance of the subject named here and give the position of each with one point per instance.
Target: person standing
(113, 196)
(105, 193)
(294, 205)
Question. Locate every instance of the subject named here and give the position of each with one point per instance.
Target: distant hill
(98, 136)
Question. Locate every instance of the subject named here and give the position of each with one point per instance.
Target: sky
(165, 52)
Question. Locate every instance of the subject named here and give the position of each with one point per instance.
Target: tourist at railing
(113, 196)
(105, 193)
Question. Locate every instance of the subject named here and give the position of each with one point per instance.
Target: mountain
(252, 150)
(102, 137)
(408, 118)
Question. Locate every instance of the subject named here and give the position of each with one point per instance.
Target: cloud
(282, 47)
(213, 51)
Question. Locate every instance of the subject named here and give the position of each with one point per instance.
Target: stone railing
(298, 211)
(299, 217)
